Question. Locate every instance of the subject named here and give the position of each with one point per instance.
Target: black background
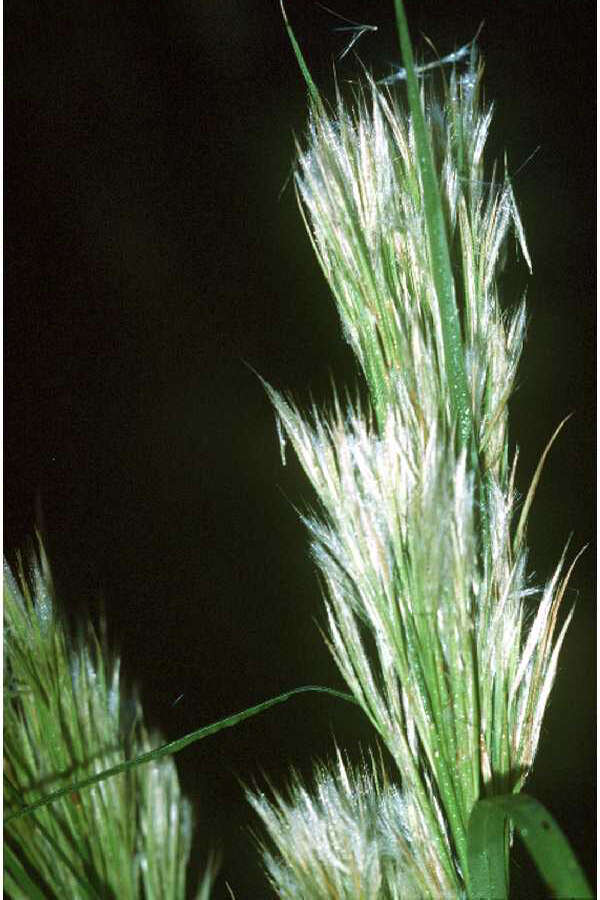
(149, 255)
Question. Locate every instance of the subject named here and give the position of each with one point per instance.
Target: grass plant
(420, 537)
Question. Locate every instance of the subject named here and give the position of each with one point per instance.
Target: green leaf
(541, 835)
(173, 747)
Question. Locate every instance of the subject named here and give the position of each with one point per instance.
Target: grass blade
(541, 835)
(172, 747)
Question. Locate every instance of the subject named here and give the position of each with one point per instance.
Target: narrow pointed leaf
(172, 747)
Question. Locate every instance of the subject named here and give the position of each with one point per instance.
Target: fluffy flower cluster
(66, 715)
(349, 836)
(417, 539)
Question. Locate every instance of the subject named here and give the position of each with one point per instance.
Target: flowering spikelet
(66, 715)
(348, 837)
(424, 564)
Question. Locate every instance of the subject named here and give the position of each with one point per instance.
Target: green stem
(438, 246)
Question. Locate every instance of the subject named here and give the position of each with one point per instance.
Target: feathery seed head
(424, 569)
(351, 835)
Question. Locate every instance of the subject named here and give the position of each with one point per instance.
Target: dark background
(149, 255)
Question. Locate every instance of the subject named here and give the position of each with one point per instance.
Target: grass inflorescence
(420, 539)
(68, 716)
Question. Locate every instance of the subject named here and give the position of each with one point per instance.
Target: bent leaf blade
(546, 843)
